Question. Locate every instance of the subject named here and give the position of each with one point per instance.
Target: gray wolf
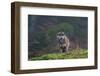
(63, 42)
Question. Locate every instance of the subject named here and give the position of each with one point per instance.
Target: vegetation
(74, 54)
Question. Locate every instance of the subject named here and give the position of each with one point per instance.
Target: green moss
(74, 54)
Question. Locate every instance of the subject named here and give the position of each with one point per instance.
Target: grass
(74, 54)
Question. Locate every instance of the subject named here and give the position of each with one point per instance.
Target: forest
(42, 32)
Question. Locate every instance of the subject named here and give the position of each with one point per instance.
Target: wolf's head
(61, 37)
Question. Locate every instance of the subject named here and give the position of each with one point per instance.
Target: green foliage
(42, 40)
(65, 27)
(74, 54)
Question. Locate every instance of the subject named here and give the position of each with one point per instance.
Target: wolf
(63, 42)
